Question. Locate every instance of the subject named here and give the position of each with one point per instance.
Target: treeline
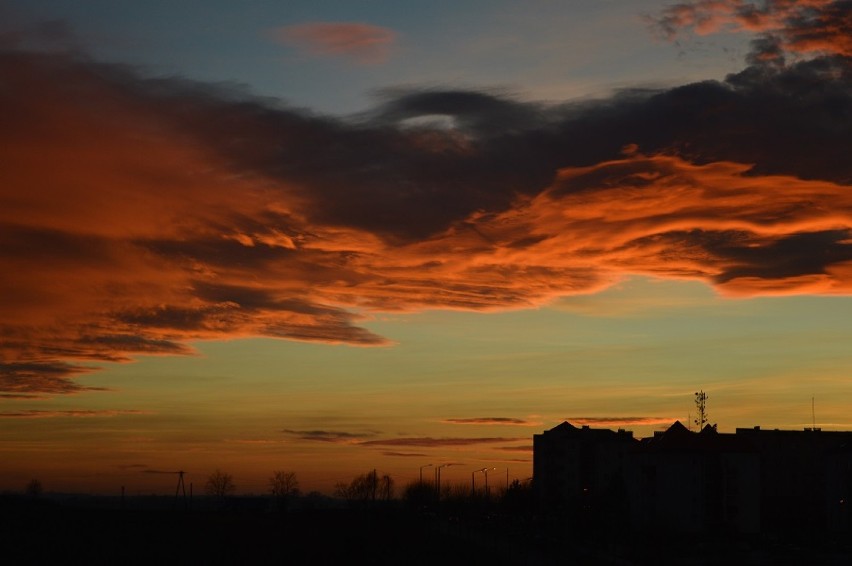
(371, 488)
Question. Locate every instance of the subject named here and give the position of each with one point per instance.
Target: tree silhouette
(220, 484)
(366, 487)
(284, 486)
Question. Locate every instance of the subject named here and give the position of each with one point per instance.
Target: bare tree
(284, 486)
(220, 484)
(366, 487)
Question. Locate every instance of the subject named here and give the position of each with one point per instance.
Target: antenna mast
(701, 405)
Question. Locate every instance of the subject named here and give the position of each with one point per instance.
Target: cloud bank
(436, 442)
(506, 421)
(331, 436)
(79, 413)
(621, 421)
(138, 215)
(795, 26)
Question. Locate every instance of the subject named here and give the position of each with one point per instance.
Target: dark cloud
(435, 442)
(621, 421)
(792, 256)
(405, 454)
(527, 448)
(53, 377)
(491, 421)
(165, 211)
(327, 436)
(78, 413)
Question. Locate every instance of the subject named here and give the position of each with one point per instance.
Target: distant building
(683, 481)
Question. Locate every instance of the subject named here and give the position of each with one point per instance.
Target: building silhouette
(750, 481)
(579, 473)
(694, 482)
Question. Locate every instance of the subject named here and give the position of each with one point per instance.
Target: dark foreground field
(51, 532)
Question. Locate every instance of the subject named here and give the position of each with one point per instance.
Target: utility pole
(180, 489)
(473, 481)
(438, 479)
(485, 471)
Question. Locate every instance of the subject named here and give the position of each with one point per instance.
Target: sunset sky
(329, 237)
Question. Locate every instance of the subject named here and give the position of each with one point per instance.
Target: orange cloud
(803, 26)
(138, 215)
(364, 44)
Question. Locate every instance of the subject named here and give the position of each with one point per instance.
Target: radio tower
(701, 405)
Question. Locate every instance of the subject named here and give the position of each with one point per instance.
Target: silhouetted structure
(694, 482)
(701, 407)
(749, 481)
(805, 477)
(579, 472)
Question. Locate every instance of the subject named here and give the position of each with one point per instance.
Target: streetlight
(421, 471)
(473, 480)
(438, 478)
(485, 471)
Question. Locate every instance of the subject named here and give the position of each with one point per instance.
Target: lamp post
(485, 471)
(473, 481)
(438, 479)
(421, 471)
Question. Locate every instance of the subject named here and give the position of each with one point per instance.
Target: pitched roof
(677, 438)
(565, 426)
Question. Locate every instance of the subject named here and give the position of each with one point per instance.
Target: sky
(342, 236)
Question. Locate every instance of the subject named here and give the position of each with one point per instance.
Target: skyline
(332, 239)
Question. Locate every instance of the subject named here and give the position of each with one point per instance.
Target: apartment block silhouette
(753, 480)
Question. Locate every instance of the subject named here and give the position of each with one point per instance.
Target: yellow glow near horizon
(638, 350)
